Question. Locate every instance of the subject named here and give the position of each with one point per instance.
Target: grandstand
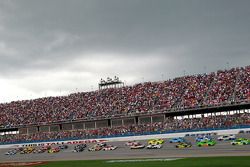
(216, 100)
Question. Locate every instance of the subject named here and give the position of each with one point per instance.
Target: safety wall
(127, 138)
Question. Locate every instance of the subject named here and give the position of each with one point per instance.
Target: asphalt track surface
(222, 148)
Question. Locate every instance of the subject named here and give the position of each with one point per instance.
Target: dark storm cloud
(134, 39)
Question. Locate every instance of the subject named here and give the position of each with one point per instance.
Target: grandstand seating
(203, 90)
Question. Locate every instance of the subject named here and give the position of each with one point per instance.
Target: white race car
(109, 147)
(154, 146)
(101, 144)
(95, 148)
(226, 137)
(131, 143)
(137, 146)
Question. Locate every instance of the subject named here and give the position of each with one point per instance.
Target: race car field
(182, 162)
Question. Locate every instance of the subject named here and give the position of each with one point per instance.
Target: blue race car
(203, 138)
(177, 140)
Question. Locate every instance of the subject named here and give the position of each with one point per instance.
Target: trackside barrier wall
(131, 137)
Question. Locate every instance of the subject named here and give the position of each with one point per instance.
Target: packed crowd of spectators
(219, 88)
(242, 92)
(196, 88)
(169, 125)
(222, 88)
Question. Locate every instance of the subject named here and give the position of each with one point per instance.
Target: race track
(223, 148)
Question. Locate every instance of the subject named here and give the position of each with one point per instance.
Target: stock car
(11, 152)
(42, 149)
(109, 147)
(177, 140)
(206, 143)
(96, 147)
(155, 141)
(240, 141)
(226, 137)
(101, 144)
(79, 148)
(45, 148)
(183, 145)
(62, 147)
(137, 146)
(54, 150)
(37, 151)
(154, 146)
(203, 138)
(130, 143)
(27, 150)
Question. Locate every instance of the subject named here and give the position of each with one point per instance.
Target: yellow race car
(155, 141)
(183, 145)
(27, 150)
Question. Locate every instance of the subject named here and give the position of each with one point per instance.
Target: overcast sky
(57, 47)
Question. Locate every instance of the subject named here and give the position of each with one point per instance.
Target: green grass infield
(184, 162)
